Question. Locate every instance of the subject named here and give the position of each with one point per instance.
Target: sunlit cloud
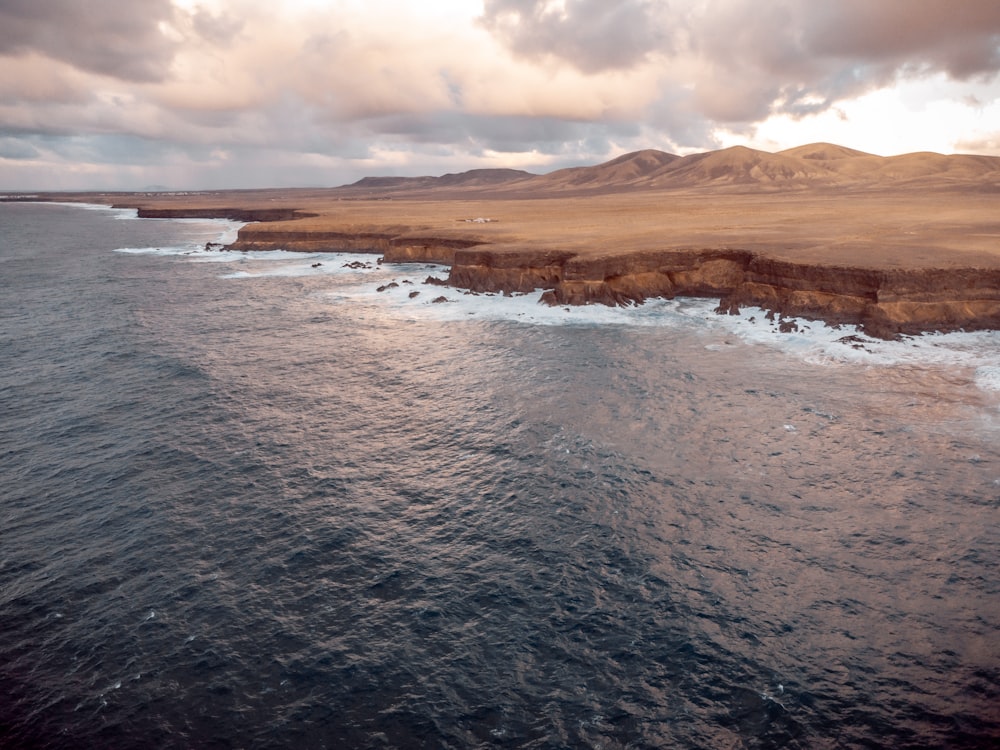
(917, 115)
(327, 91)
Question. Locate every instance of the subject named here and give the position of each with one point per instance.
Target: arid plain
(901, 244)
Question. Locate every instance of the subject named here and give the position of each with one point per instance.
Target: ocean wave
(227, 229)
(400, 289)
(163, 251)
(258, 264)
(812, 341)
(206, 235)
(117, 213)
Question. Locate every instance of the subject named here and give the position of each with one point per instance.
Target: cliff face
(395, 248)
(483, 270)
(885, 303)
(305, 241)
(233, 214)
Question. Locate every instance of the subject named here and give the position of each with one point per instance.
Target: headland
(897, 245)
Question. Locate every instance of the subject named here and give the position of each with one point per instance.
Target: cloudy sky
(190, 94)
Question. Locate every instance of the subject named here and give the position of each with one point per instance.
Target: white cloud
(320, 91)
(918, 115)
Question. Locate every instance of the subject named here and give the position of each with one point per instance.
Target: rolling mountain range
(816, 165)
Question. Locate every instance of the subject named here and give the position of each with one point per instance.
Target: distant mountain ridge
(813, 165)
(473, 177)
(622, 170)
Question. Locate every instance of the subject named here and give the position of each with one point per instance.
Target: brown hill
(483, 177)
(390, 183)
(824, 152)
(923, 165)
(739, 165)
(815, 165)
(848, 164)
(621, 171)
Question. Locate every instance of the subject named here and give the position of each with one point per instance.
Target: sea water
(260, 500)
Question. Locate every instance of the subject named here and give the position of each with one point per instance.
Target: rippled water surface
(252, 502)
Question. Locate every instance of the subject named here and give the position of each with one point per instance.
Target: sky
(211, 94)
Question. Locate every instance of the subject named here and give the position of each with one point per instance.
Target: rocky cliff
(231, 213)
(394, 246)
(885, 303)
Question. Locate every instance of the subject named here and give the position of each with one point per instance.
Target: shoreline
(896, 264)
(884, 302)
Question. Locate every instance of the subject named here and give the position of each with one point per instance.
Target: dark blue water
(249, 504)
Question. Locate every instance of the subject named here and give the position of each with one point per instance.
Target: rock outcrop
(393, 246)
(233, 214)
(885, 303)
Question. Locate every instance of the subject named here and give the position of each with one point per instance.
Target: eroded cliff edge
(884, 302)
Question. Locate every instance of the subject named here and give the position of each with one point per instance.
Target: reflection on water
(285, 509)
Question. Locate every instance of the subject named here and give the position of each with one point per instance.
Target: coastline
(891, 262)
(884, 300)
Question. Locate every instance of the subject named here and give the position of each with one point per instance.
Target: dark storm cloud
(258, 92)
(959, 37)
(118, 39)
(753, 60)
(800, 49)
(799, 57)
(593, 35)
(747, 59)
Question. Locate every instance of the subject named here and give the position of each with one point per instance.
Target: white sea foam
(393, 290)
(817, 342)
(988, 377)
(118, 213)
(166, 250)
(290, 264)
(227, 228)
(398, 289)
(813, 341)
(206, 232)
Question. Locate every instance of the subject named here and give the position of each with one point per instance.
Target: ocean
(282, 500)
